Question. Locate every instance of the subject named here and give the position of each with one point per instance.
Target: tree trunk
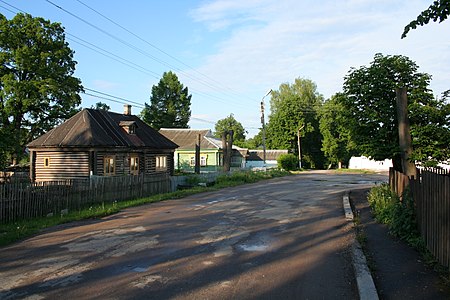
(404, 133)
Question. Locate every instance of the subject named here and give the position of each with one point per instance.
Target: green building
(211, 153)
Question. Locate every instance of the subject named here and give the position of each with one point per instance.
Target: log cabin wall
(54, 165)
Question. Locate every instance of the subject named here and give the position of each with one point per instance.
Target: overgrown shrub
(382, 201)
(240, 177)
(400, 216)
(288, 162)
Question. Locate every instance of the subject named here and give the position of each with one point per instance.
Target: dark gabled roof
(100, 128)
(186, 139)
(258, 155)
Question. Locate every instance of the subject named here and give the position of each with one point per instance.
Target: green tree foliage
(370, 103)
(170, 104)
(296, 106)
(337, 144)
(37, 89)
(288, 162)
(230, 123)
(254, 142)
(101, 106)
(438, 11)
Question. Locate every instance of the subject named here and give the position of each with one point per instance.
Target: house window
(132, 129)
(203, 161)
(109, 165)
(161, 163)
(134, 165)
(47, 162)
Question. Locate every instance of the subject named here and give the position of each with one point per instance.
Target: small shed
(100, 143)
(256, 158)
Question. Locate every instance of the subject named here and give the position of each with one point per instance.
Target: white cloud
(105, 85)
(265, 43)
(319, 40)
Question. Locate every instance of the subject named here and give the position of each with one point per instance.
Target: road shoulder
(398, 270)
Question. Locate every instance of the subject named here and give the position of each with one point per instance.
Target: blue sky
(229, 53)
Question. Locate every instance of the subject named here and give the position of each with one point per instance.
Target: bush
(240, 177)
(382, 201)
(400, 216)
(288, 162)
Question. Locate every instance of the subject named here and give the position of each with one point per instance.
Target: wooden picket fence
(31, 200)
(430, 190)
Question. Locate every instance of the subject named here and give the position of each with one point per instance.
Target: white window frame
(161, 163)
(204, 160)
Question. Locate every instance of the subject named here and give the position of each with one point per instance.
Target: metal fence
(430, 190)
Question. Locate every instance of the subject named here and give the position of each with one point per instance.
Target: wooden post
(230, 148)
(197, 155)
(299, 148)
(224, 151)
(32, 165)
(227, 146)
(404, 133)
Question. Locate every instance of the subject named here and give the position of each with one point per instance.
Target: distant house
(255, 158)
(366, 163)
(101, 143)
(211, 153)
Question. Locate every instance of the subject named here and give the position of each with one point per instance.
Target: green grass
(354, 171)
(19, 230)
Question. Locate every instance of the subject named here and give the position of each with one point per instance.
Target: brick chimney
(127, 109)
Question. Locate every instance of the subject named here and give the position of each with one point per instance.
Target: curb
(364, 280)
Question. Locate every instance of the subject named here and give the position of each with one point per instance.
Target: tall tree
(227, 124)
(101, 106)
(337, 144)
(371, 104)
(438, 10)
(293, 107)
(170, 104)
(37, 89)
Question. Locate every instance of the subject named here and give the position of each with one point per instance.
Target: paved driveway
(284, 238)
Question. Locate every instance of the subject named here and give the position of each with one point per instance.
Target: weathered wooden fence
(30, 200)
(430, 190)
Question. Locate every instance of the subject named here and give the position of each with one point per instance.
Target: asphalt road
(284, 238)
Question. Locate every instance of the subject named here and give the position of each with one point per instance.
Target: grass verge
(400, 217)
(18, 230)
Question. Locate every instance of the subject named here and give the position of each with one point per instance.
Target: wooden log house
(100, 143)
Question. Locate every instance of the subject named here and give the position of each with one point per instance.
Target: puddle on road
(254, 248)
(258, 243)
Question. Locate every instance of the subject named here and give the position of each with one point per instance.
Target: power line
(119, 59)
(6, 8)
(122, 60)
(131, 46)
(155, 47)
(112, 56)
(12, 7)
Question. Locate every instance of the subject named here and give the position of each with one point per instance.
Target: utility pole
(404, 133)
(197, 155)
(227, 148)
(299, 147)
(263, 123)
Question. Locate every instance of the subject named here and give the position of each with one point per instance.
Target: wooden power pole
(227, 147)
(197, 155)
(404, 132)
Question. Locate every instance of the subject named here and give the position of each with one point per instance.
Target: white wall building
(366, 163)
